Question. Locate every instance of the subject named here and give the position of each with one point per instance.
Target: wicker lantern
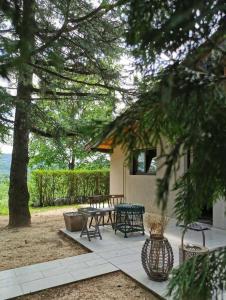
(187, 251)
(157, 257)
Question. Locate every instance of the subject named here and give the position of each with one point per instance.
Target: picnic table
(95, 214)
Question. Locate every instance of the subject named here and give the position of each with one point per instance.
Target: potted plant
(157, 254)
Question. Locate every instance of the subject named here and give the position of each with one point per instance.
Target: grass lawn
(4, 186)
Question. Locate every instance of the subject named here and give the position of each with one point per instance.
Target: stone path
(37, 277)
(111, 254)
(124, 254)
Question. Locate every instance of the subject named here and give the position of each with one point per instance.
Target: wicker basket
(73, 221)
(187, 251)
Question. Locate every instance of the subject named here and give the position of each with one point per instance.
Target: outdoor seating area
(125, 254)
(146, 258)
(108, 210)
(110, 254)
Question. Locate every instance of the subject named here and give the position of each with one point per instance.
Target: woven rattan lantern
(157, 257)
(187, 251)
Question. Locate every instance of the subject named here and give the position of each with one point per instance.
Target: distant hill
(5, 161)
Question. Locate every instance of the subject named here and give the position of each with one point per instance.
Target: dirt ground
(39, 243)
(106, 287)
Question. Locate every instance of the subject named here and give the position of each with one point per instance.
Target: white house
(137, 180)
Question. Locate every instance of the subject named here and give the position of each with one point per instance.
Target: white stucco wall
(219, 217)
(142, 188)
(137, 188)
(116, 172)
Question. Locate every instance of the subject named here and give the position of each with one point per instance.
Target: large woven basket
(187, 251)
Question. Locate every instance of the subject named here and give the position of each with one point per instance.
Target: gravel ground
(40, 242)
(106, 287)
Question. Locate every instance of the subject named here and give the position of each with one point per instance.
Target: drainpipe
(124, 179)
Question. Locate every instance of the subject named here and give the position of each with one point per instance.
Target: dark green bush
(58, 187)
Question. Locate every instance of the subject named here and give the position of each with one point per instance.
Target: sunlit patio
(125, 253)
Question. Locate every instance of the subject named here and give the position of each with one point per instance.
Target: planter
(157, 257)
(73, 221)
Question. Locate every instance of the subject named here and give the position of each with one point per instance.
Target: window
(144, 162)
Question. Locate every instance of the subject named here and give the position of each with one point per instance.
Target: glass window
(141, 162)
(144, 162)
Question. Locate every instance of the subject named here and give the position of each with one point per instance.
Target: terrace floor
(110, 254)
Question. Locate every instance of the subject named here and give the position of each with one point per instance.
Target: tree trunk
(19, 214)
(71, 165)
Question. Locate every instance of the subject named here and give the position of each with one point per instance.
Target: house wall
(142, 188)
(219, 218)
(116, 172)
(137, 188)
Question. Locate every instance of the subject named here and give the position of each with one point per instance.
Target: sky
(5, 148)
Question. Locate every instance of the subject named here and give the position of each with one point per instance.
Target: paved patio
(108, 255)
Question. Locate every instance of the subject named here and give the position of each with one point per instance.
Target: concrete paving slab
(112, 253)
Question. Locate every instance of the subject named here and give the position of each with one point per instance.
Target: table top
(130, 207)
(93, 210)
(195, 226)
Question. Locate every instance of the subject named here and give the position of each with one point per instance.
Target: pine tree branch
(64, 99)
(6, 7)
(43, 132)
(6, 120)
(52, 135)
(6, 30)
(67, 94)
(112, 88)
(102, 7)
(78, 68)
(57, 34)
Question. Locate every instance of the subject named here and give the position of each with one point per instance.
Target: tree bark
(71, 165)
(19, 214)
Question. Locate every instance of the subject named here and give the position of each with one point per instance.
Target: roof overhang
(104, 145)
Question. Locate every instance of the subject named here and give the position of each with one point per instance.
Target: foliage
(180, 47)
(50, 187)
(52, 52)
(74, 59)
(69, 152)
(5, 113)
(172, 29)
(4, 186)
(184, 102)
(209, 271)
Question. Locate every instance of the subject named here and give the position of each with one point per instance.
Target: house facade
(139, 185)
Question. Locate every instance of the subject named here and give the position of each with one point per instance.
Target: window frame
(134, 163)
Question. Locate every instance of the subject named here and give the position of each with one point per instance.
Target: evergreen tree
(52, 50)
(82, 117)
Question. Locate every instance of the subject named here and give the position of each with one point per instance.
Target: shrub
(58, 187)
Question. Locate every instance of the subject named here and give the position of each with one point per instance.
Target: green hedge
(58, 187)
